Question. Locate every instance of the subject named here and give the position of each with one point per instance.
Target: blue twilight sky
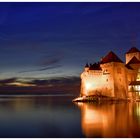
(49, 40)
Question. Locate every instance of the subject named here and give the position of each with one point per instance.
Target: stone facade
(111, 77)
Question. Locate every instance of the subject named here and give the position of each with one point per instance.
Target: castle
(113, 78)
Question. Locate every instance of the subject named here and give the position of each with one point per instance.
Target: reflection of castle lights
(138, 109)
(95, 120)
(92, 116)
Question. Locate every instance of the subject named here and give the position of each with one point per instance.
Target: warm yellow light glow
(138, 109)
(88, 86)
(138, 75)
(91, 82)
(94, 119)
(136, 88)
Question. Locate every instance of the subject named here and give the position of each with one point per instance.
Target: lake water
(58, 117)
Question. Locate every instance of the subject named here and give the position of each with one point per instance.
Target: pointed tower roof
(134, 60)
(111, 57)
(133, 50)
(128, 67)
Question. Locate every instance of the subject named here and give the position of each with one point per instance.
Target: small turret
(131, 53)
(86, 67)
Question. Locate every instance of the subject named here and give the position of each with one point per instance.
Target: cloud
(49, 67)
(47, 63)
(58, 85)
(7, 81)
(56, 81)
(40, 82)
(40, 69)
(53, 59)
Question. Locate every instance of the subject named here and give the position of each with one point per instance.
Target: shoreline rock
(98, 98)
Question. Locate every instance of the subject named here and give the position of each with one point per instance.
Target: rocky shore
(98, 98)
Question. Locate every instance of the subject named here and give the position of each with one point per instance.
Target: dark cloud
(41, 69)
(47, 63)
(51, 60)
(7, 81)
(59, 85)
(40, 82)
(57, 81)
(49, 67)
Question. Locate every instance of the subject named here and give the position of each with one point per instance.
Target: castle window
(107, 80)
(105, 72)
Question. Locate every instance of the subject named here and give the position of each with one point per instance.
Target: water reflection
(37, 117)
(58, 117)
(110, 120)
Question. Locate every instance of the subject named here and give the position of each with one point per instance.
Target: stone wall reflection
(110, 120)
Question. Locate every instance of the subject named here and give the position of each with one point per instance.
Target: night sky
(50, 40)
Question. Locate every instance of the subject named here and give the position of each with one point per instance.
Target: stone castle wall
(111, 81)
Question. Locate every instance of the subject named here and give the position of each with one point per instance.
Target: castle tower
(131, 53)
(114, 76)
(91, 79)
(133, 61)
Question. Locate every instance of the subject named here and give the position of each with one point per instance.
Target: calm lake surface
(57, 117)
